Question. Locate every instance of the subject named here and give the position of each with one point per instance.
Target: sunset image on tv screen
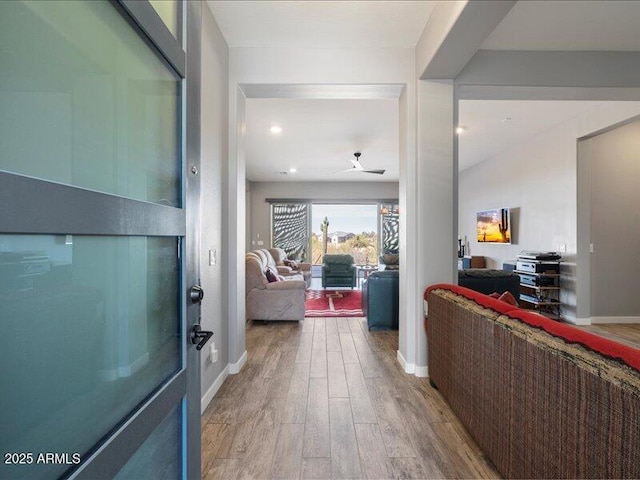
(493, 226)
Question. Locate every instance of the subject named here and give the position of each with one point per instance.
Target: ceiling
(326, 24)
(319, 138)
(488, 133)
(568, 25)
(320, 135)
(574, 25)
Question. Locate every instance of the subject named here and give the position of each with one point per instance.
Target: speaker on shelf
(475, 261)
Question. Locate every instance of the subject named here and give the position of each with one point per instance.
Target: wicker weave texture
(539, 408)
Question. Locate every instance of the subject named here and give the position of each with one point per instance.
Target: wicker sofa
(542, 399)
(282, 300)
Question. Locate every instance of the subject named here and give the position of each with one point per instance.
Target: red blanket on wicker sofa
(542, 399)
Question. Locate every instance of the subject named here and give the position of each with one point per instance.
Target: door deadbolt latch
(196, 294)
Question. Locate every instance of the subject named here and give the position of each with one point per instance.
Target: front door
(99, 156)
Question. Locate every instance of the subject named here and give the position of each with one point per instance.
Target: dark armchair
(381, 300)
(338, 271)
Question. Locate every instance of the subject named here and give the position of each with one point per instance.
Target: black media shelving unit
(540, 282)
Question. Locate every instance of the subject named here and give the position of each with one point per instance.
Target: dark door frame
(33, 206)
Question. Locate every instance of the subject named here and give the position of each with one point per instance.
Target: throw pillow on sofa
(271, 276)
(506, 297)
(291, 263)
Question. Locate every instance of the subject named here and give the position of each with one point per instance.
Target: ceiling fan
(357, 167)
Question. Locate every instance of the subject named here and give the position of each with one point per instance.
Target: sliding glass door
(345, 228)
(97, 240)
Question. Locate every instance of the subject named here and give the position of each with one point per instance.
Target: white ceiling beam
(552, 69)
(491, 92)
(454, 33)
(323, 92)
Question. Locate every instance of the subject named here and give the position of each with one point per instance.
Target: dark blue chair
(338, 271)
(381, 300)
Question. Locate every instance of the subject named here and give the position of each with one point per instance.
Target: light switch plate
(213, 257)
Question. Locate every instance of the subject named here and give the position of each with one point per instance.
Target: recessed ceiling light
(275, 129)
(293, 170)
(460, 130)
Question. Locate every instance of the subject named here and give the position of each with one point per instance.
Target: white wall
(407, 187)
(434, 169)
(613, 159)
(538, 178)
(260, 210)
(248, 215)
(290, 66)
(214, 153)
(435, 178)
(319, 66)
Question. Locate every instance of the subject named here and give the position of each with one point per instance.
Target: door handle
(196, 294)
(199, 337)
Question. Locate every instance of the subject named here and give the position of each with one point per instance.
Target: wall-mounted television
(494, 226)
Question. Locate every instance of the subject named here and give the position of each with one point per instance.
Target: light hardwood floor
(327, 399)
(627, 333)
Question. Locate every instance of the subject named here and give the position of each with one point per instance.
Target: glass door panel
(84, 101)
(89, 329)
(345, 229)
(93, 342)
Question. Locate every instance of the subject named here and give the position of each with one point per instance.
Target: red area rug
(333, 303)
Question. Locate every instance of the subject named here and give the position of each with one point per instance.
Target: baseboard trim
(412, 368)
(236, 367)
(213, 389)
(578, 321)
(407, 367)
(615, 319)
